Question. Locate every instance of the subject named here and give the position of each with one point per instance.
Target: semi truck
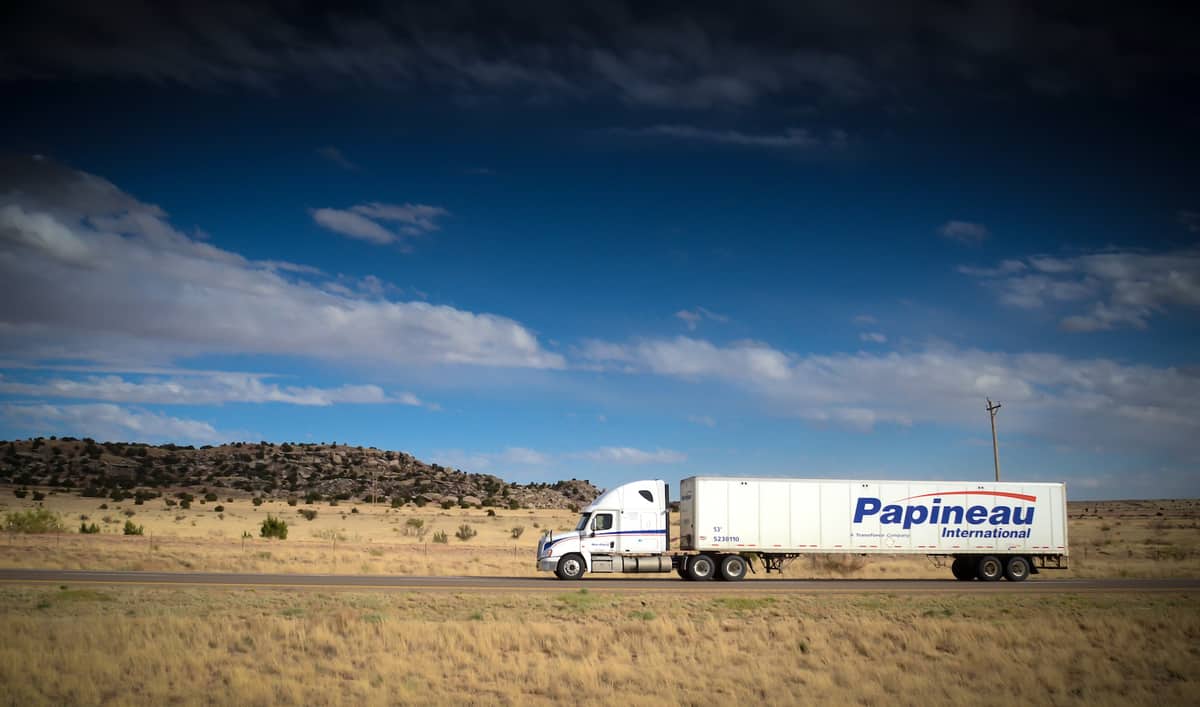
(728, 525)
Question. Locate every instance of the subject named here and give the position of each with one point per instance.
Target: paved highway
(1039, 585)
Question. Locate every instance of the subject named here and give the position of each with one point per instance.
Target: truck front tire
(570, 567)
(731, 568)
(701, 568)
(990, 568)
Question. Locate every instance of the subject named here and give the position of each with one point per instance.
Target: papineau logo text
(939, 513)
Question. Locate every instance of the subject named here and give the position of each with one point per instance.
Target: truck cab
(626, 529)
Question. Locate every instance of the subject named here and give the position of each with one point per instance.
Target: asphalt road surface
(1038, 585)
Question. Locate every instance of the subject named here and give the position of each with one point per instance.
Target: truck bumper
(547, 564)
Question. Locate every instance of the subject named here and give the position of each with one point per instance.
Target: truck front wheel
(570, 567)
(732, 568)
(701, 568)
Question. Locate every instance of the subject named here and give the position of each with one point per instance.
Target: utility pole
(992, 408)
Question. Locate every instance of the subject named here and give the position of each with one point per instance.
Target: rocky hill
(282, 471)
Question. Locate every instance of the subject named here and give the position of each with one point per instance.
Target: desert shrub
(20, 493)
(447, 505)
(420, 501)
(308, 513)
(185, 504)
(89, 529)
(397, 502)
(465, 532)
(354, 510)
(131, 529)
(292, 500)
(129, 512)
(39, 496)
(441, 537)
(516, 532)
(169, 502)
(491, 513)
(513, 504)
(210, 496)
(274, 527)
(257, 500)
(103, 506)
(34, 520)
(218, 509)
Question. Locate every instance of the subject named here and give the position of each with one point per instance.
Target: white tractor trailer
(985, 531)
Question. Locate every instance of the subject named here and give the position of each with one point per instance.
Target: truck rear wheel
(963, 569)
(570, 567)
(1016, 569)
(731, 568)
(990, 568)
(701, 568)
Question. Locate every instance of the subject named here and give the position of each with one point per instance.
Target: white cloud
(337, 157)
(873, 337)
(790, 139)
(210, 389)
(1121, 289)
(693, 317)
(523, 457)
(112, 423)
(91, 273)
(964, 232)
(364, 221)
(702, 420)
(1086, 402)
(1189, 220)
(865, 320)
(632, 455)
(354, 225)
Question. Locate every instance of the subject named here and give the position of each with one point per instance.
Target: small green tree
(87, 529)
(440, 536)
(274, 527)
(132, 529)
(465, 532)
(34, 520)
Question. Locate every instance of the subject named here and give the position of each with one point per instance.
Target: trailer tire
(731, 568)
(1016, 569)
(701, 568)
(570, 567)
(990, 568)
(963, 569)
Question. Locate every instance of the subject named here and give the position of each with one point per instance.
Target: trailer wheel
(570, 567)
(732, 568)
(963, 569)
(701, 568)
(1017, 569)
(990, 568)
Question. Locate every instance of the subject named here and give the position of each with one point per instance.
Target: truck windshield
(583, 521)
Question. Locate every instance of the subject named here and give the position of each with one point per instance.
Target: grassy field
(71, 645)
(1108, 539)
(578, 643)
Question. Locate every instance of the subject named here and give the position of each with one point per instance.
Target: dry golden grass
(212, 646)
(1108, 539)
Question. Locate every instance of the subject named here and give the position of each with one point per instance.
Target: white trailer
(727, 524)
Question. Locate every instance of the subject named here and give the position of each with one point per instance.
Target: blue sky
(613, 246)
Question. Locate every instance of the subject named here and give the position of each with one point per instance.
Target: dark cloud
(647, 54)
